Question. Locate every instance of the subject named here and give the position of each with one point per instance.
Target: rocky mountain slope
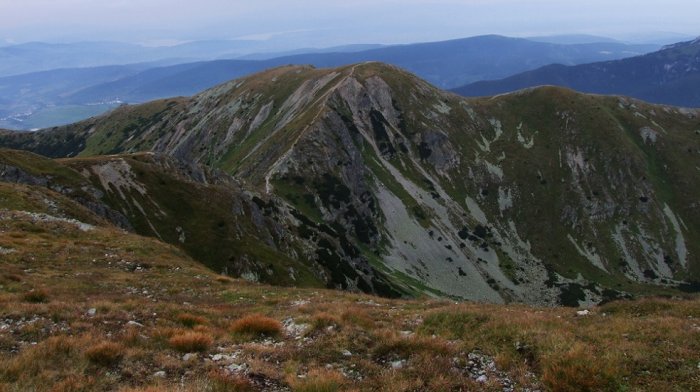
(87, 306)
(669, 76)
(546, 196)
(204, 212)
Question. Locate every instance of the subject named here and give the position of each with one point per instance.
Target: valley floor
(86, 308)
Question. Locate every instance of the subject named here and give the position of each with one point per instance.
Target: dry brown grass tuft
(358, 316)
(12, 277)
(36, 296)
(75, 383)
(578, 369)
(318, 380)
(190, 320)
(105, 353)
(224, 280)
(150, 388)
(49, 356)
(202, 328)
(324, 320)
(130, 337)
(257, 325)
(162, 334)
(222, 382)
(390, 346)
(104, 306)
(191, 342)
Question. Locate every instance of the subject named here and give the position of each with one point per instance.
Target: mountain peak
(692, 43)
(279, 76)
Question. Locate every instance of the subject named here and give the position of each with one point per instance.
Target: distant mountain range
(669, 76)
(39, 56)
(446, 64)
(568, 39)
(657, 38)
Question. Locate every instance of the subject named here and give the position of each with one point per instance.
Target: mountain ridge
(669, 76)
(427, 184)
(413, 57)
(35, 100)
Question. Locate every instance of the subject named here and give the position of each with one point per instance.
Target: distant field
(55, 116)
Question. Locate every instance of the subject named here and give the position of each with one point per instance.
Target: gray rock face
(88, 196)
(16, 175)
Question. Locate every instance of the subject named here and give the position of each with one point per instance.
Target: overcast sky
(330, 22)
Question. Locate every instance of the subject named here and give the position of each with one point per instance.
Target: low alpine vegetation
(105, 353)
(36, 296)
(189, 342)
(103, 325)
(257, 325)
(189, 320)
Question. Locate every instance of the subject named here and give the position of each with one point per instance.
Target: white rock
(584, 312)
(133, 323)
(91, 312)
(398, 364)
(294, 329)
(482, 379)
(235, 368)
(347, 353)
(188, 356)
(217, 357)
(160, 374)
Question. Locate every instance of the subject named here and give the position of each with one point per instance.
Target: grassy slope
(53, 274)
(215, 235)
(214, 220)
(608, 135)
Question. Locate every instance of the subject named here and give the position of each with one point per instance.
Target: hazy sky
(329, 22)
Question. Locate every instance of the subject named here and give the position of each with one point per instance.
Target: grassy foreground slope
(86, 306)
